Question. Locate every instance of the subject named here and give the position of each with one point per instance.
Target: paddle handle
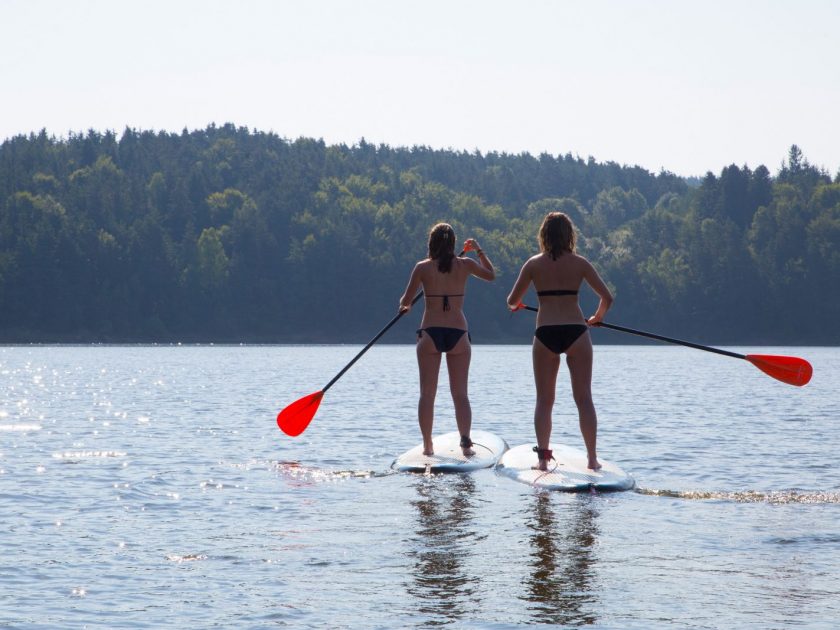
(642, 333)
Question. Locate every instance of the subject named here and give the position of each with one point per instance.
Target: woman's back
(557, 282)
(444, 292)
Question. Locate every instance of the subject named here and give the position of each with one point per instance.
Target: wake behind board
(566, 472)
(449, 457)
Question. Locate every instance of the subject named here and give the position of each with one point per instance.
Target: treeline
(227, 234)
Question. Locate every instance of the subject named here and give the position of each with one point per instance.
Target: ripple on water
(76, 456)
(807, 539)
(780, 497)
(190, 557)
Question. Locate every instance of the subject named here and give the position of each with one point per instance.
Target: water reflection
(560, 582)
(443, 588)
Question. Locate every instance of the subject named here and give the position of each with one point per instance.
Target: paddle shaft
(375, 339)
(370, 343)
(680, 342)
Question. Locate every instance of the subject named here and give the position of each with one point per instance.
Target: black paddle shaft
(370, 343)
(680, 342)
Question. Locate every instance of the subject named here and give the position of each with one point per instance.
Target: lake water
(150, 487)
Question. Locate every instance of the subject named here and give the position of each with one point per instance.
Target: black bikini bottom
(444, 338)
(559, 337)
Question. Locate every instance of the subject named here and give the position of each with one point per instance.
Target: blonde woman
(557, 273)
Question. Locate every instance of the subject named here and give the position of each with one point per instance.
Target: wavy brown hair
(557, 235)
(442, 246)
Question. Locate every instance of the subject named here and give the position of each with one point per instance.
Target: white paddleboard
(566, 472)
(449, 457)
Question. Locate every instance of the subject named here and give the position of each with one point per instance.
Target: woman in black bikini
(443, 276)
(557, 274)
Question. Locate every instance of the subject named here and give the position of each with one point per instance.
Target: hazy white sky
(685, 86)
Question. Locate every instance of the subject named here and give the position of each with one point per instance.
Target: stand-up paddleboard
(449, 457)
(566, 472)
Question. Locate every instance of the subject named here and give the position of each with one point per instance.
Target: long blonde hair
(442, 246)
(557, 235)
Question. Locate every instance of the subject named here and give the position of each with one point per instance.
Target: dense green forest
(232, 235)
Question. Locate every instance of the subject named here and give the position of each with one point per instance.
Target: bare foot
(593, 464)
(541, 465)
(466, 446)
(428, 452)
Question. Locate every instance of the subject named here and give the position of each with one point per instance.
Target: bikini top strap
(557, 292)
(446, 305)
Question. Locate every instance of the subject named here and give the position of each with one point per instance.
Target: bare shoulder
(421, 269)
(588, 270)
(466, 265)
(581, 261)
(534, 260)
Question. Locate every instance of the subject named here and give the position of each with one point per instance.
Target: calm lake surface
(150, 487)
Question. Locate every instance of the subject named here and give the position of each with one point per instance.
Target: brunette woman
(443, 329)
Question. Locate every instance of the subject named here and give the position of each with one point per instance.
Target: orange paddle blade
(294, 419)
(791, 370)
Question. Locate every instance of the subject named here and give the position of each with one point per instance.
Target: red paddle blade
(791, 370)
(294, 419)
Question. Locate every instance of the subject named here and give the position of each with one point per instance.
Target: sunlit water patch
(19, 427)
(299, 472)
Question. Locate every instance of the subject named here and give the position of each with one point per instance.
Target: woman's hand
(471, 245)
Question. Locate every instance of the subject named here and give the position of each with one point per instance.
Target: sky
(684, 86)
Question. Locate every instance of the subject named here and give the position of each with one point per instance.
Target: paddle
(790, 370)
(294, 419)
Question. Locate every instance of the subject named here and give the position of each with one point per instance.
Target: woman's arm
(414, 282)
(599, 286)
(483, 268)
(520, 286)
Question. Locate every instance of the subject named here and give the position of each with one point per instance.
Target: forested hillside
(227, 235)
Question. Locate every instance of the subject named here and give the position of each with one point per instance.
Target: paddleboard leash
(545, 453)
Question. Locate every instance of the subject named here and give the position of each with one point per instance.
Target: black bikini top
(446, 306)
(557, 292)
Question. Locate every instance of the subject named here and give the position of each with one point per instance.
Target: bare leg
(546, 366)
(579, 360)
(428, 361)
(458, 364)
